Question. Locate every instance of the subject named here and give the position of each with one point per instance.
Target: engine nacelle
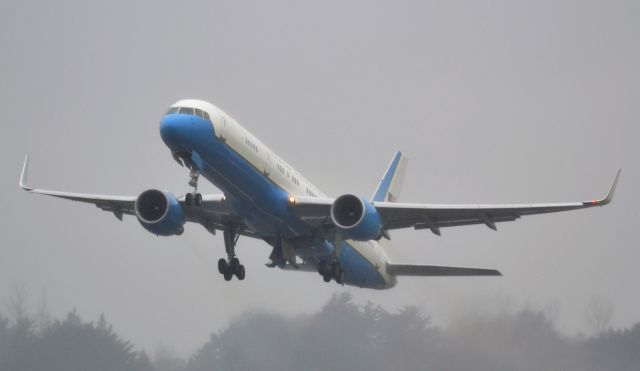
(160, 213)
(356, 217)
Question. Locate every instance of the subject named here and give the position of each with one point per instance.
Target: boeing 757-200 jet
(343, 239)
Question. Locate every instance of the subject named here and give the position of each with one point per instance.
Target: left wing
(213, 213)
(434, 216)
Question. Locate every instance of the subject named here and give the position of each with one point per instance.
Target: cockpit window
(189, 111)
(186, 110)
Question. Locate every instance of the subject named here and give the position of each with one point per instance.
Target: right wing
(118, 205)
(212, 214)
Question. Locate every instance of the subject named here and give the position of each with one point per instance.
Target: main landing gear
(194, 198)
(231, 266)
(330, 271)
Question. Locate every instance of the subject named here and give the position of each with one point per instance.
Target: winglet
(612, 190)
(23, 176)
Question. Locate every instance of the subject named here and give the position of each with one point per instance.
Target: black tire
(234, 263)
(222, 266)
(228, 276)
(335, 268)
(323, 269)
(188, 199)
(240, 272)
(197, 200)
(326, 277)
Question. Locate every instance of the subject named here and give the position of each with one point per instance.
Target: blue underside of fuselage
(259, 202)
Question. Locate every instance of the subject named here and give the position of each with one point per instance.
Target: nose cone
(174, 131)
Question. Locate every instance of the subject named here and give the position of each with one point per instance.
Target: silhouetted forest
(343, 335)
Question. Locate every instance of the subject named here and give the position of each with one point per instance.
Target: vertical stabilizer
(391, 183)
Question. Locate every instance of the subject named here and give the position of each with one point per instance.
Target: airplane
(344, 239)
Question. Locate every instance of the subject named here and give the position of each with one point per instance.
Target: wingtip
(23, 175)
(612, 190)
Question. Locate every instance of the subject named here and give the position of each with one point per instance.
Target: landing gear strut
(194, 198)
(330, 271)
(231, 266)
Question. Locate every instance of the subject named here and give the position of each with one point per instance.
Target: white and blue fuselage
(258, 186)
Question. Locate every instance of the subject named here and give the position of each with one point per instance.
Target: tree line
(342, 335)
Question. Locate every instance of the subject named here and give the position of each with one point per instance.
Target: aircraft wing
(438, 271)
(435, 216)
(213, 213)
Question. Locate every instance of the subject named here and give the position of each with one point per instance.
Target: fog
(499, 102)
(342, 335)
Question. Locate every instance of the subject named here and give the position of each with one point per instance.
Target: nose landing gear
(194, 198)
(184, 159)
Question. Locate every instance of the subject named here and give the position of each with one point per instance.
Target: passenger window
(186, 110)
(199, 112)
(172, 110)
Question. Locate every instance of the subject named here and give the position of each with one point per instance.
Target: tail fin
(391, 183)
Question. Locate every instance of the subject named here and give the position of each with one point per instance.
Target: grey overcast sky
(493, 101)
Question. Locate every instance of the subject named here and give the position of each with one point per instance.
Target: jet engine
(160, 213)
(356, 218)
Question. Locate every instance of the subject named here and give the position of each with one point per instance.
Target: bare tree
(17, 303)
(42, 315)
(599, 313)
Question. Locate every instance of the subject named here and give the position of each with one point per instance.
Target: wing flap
(438, 271)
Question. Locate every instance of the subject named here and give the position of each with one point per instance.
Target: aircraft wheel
(340, 276)
(335, 268)
(188, 199)
(228, 276)
(337, 273)
(222, 266)
(197, 200)
(240, 272)
(326, 277)
(324, 269)
(233, 264)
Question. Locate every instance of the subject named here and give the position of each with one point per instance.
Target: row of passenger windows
(311, 193)
(189, 111)
(294, 179)
(251, 145)
(281, 169)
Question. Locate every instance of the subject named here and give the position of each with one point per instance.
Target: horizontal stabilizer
(436, 270)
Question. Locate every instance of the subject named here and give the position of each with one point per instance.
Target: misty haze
(494, 103)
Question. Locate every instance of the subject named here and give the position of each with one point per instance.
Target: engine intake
(356, 217)
(160, 213)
